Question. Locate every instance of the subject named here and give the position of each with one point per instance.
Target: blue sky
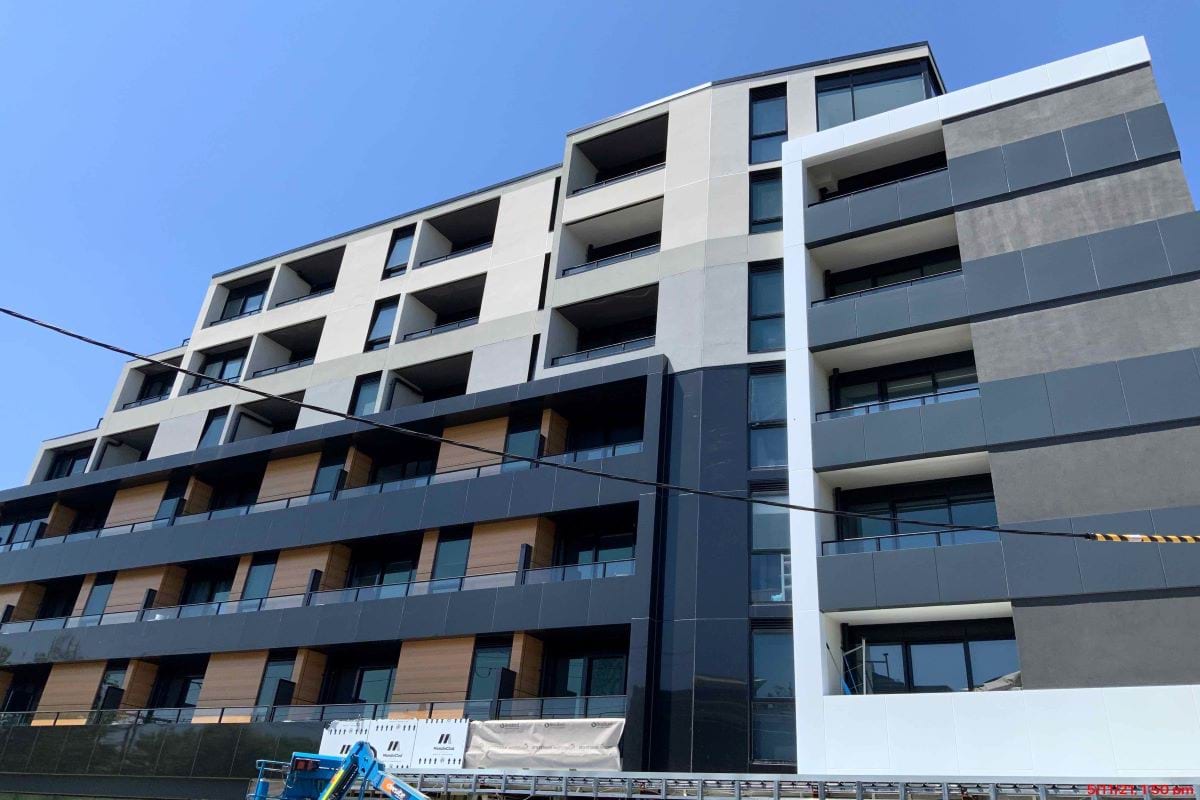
(145, 146)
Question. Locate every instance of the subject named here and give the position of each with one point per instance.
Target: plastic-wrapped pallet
(545, 744)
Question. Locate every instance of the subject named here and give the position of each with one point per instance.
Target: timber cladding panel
(136, 504)
(197, 496)
(130, 587)
(433, 669)
(489, 433)
(239, 577)
(85, 590)
(289, 477)
(293, 568)
(428, 553)
(60, 519)
(307, 674)
(72, 686)
(139, 683)
(526, 661)
(554, 432)
(23, 597)
(232, 679)
(496, 546)
(358, 468)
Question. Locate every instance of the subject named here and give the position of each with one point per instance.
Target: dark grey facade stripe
(998, 172)
(493, 401)
(1114, 260)
(1112, 397)
(569, 605)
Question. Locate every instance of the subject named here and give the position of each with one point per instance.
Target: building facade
(834, 283)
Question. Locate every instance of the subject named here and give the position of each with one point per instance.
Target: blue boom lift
(311, 776)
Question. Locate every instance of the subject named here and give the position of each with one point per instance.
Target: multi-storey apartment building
(833, 283)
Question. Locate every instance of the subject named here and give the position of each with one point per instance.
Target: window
(855, 95)
(931, 657)
(768, 419)
(766, 307)
(586, 675)
(382, 321)
(766, 201)
(596, 548)
(961, 501)
(366, 393)
(108, 696)
(329, 471)
(277, 671)
(904, 385)
(244, 300)
(207, 584)
(381, 571)
(523, 438)
(770, 551)
(398, 253)
(450, 558)
(374, 684)
(214, 426)
(68, 463)
(221, 366)
(97, 597)
(923, 265)
(773, 705)
(486, 668)
(259, 576)
(768, 123)
(156, 386)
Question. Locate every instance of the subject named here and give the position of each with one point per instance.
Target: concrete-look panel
(1158, 320)
(1077, 209)
(178, 434)
(621, 194)
(1144, 470)
(1050, 112)
(501, 364)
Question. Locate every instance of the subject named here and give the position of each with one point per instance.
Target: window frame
(760, 94)
(905, 636)
(240, 295)
(753, 703)
(763, 268)
(771, 492)
(974, 486)
(64, 463)
(390, 269)
(754, 425)
(355, 397)
(772, 223)
(381, 342)
(868, 76)
(882, 376)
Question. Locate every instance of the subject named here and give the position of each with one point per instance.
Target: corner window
(907, 385)
(961, 501)
(214, 426)
(772, 701)
(766, 307)
(244, 300)
(398, 252)
(766, 201)
(488, 664)
(922, 658)
(68, 463)
(366, 393)
(770, 550)
(855, 95)
(382, 321)
(768, 419)
(768, 123)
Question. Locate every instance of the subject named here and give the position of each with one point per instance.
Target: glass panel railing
(304, 362)
(455, 254)
(906, 541)
(829, 198)
(588, 266)
(591, 187)
(884, 288)
(603, 352)
(443, 328)
(947, 396)
(303, 297)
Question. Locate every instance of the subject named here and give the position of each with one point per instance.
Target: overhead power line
(542, 462)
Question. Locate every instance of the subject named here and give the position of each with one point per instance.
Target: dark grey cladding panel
(874, 207)
(846, 582)
(977, 176)
(470, 612)
(995, 283)
(1161, 387)
(938, 299)
(1129, 255)
(1060, 269)
(1040, 566)
(1086, 399)
(1152, 132)
(615, 601)
(1181, 519)
(925, 194)
(564, 605)
(906, 577)
(1120, 567)
(1120, 522)
(893, 434)
(1098, 145)
(882, 312)
(951, 426)
(970, 573)
(1181, 239)
(445, 504)
(827, 220)
(839, 441)
(1035, 161)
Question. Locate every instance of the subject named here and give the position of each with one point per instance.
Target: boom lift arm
(316, 777)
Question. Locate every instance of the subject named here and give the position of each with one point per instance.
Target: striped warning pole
(1152, 538)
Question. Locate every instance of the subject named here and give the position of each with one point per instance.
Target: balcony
(440, 309)
(262, 373)
(603, 351)
(617, 259)
(906, 541)
(604, 326)
(148, 385)
(456, 253)
(285, 349)
(616, 169)
(619, 178)
(947, 396)
(303, 297)
(307, 278)
(611, 238)
(239, 299)
(457, 233)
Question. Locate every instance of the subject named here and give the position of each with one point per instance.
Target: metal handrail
(304, 297)
(588, 266)
(355, 594)
(242, 315)
(840, 195)
(908, 282)
(603, 351)
(455, 254)
(145, 401)
(593, 186)
(516, 708)
(304, 362)
(901, 402)
(204, 386)
(436, 329)
(904, 541)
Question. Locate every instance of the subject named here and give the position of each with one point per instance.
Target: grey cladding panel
(838, 441)
(995, 282)
(1152, 131)
(1059, 270)
(1040, 566)
(1016, 409)
(977, 176)
(971, 573)
(835, 321)
(951, 426)
(893, 434)
(937, 299)
(1086, 399)
(1037, 160)
(874, 207)
(1129, 255)
(906, 577)
(846, 581)
(1181, 240)
(1119, 567)
(882, 312)
(925, 194)
(1099, 145)
(826, 220)
(1161, 387)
